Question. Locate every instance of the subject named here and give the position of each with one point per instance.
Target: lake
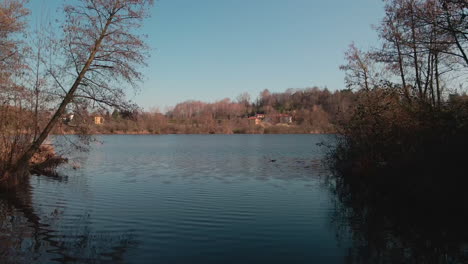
(180, 199)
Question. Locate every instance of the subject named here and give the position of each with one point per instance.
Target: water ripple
(179, 199)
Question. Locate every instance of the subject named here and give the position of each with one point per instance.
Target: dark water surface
(179, 199)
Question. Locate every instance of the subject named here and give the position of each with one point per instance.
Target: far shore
(148, 133)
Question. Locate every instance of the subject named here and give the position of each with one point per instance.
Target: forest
(310, 110)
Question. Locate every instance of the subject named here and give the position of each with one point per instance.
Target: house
(257, 119)
(254, 120)
(98, 120)
(274, 119)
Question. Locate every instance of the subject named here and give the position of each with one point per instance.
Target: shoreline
(162, 134)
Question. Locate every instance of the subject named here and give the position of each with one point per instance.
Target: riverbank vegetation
(407, 119)
(400, 158)
(85, 62)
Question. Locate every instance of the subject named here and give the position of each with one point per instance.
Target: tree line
(312, 110)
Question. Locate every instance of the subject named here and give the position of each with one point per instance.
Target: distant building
(255, 120)
(98, 120)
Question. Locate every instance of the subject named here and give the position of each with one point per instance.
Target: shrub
(392, 150)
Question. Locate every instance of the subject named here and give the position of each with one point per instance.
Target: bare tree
(12, 13)
(424, 46)
(243, 98)
(359, 69)
(100, 53)
(453, 19)
(13, 96)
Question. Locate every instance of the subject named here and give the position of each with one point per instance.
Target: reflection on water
(28, 234)
(179, 199)
(212, 199)
(399, 231)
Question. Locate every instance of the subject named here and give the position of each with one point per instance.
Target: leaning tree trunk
(21, 169)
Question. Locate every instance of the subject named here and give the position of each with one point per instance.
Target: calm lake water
(180, 199)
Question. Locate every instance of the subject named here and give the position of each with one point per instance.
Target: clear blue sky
(212, 49)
